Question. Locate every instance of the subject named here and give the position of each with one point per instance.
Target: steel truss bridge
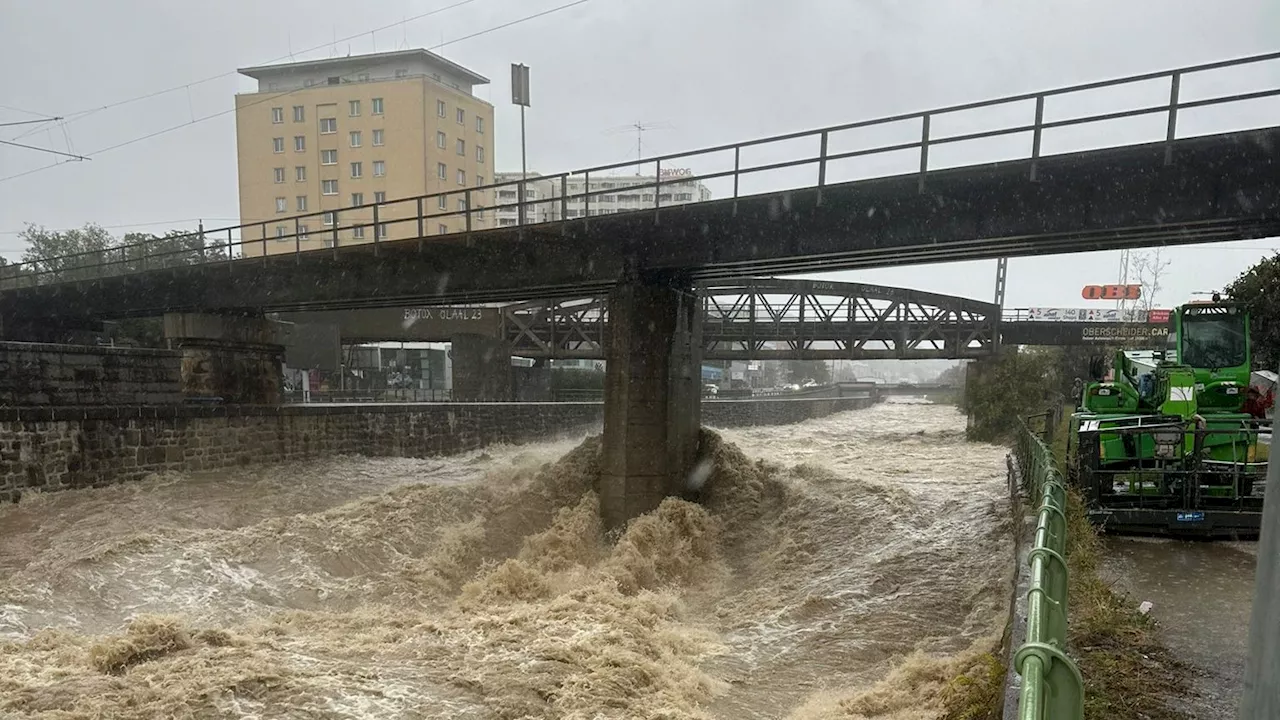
(765, 318)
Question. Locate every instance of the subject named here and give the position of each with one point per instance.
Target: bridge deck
(1220, 187)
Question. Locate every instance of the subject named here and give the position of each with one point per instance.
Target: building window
(480, 124)
(379, 168)
(442, 202)
(302, 232)
(277, 145)
(573, 213)
(353, 108)
(442, 171)
(357, 170)
(329, 218)
(479, 180)
(363, 77)
(329, 187)
(328, 157)
(299, 143)
(379, 197)
(441, 139)
(357, 199)
(442, 229)
(377, 137)
(479, 154)
(462, 147)
(328, 126)
(462, 204)
(279, 175)
(440, 108)
(607, 198)
(299, 113)
(282, 205)
(377, 106)
(382, 230)
(300, 173)
(646, 198)
(355, 138)
(281, 231)
(302, 203)
(401, 72)
(357, 232)
(462, 177)
(277, 115)
(685, 197)
(462, 116)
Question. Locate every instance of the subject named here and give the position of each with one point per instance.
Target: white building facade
(614, 194)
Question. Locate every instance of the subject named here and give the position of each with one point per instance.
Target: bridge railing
(811, 159)
(1051, 683)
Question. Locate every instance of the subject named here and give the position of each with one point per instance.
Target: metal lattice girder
(770, 318)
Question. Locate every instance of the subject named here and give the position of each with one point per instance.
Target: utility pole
(1261, 699)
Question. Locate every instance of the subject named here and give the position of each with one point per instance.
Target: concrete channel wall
(56, 448)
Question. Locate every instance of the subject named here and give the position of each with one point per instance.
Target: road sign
(520, 84)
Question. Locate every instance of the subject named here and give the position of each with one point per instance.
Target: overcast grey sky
(708, 71)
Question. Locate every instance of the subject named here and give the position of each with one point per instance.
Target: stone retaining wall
(48, 374)
(60, 448)
(782, 411)
(55, 448)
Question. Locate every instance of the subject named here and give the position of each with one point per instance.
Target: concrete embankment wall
(55, 448)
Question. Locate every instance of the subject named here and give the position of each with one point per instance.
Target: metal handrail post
(1035, 137)
(924, 149)
(1174, 84)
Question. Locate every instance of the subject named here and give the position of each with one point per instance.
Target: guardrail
(468, 209)
(382, 395)
(1052, 688)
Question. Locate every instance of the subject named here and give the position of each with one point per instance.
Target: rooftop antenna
(640, 129)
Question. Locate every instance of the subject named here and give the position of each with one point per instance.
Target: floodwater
(845, 567)
(1202, 596)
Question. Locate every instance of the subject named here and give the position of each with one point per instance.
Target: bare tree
(1148, 269)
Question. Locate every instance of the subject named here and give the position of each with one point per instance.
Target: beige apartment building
(338, 137)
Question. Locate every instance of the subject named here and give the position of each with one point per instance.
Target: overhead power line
(81, 114)
(277, 96)
(40, 149)
(29, 122)
(29, 112)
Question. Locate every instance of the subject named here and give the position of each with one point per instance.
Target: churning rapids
(841, 568)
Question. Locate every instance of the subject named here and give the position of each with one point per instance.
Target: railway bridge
(810, 201)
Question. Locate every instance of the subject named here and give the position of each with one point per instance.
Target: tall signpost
(520, 96)
(1261, 699)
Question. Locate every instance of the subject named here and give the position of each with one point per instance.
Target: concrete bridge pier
(652, 396)
(481, 368)
(237, 358)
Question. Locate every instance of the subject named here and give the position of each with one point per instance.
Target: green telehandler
(1169, 445)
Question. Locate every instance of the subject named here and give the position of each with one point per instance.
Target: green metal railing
(1052, 688)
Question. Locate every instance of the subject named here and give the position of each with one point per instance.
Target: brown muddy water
(838, 568)
(1202, 596)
